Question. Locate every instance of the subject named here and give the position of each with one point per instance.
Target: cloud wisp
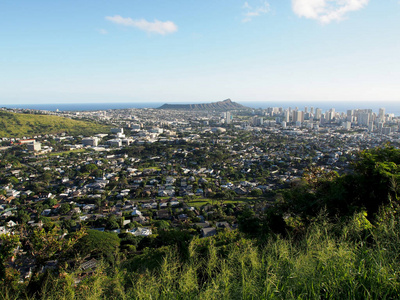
(250, 12)
(326, 11)
(156, 26)
(102, 31)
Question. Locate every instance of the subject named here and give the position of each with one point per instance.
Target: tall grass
(352, 260)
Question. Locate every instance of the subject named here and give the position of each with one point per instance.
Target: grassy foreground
(350, 260)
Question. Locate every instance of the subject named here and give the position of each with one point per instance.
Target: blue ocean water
(91, 106)
(390, 107)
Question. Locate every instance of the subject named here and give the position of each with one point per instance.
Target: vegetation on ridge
(225, 105)
(19, 125)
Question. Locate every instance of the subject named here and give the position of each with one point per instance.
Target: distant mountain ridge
(224, 105)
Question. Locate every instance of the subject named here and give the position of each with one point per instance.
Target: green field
(199, 202)
(66, 152)
(20, 125)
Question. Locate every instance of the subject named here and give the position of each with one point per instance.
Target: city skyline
(131, 51)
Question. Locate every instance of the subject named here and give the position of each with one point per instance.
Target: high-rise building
(328, 116)
(380, 127)
(318, 113)
(350, 115)
(298, 116)
(386, 130)
(371, 127)
(227, 118)
(364, 118)
(346, 125)
(381, 113)
(286, 116)
(257, 121)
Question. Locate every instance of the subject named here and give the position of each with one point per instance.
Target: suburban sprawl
(151, 177)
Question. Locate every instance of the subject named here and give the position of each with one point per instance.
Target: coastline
(390, 107)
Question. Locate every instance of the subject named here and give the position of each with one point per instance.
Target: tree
(8, 244)
(162, 225)
(13, 180)
(112, 222)
(48, 245)
(23, 216)
(99, 244)
(98, 173)
(256, 193)
(248, 223)
(89, 168)
(39, 209)
(69, 223)
(64, 208)
(368, 188)
(51, 202)
(46, 177)
(188, 198)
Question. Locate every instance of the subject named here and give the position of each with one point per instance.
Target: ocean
(390, 107)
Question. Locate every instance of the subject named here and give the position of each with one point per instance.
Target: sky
(199, 51)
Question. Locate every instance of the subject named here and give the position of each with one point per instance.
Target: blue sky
(199, 51)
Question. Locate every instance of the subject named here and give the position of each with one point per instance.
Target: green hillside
(19, 125)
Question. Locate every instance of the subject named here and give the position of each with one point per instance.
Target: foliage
(51, 244)
(332, 260)
(99, 244)
(19, 125)
(8, 243)
(374, 181)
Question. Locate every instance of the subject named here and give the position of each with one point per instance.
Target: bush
(99, 244)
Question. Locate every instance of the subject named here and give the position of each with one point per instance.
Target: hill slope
(19, 125)
(227, 104)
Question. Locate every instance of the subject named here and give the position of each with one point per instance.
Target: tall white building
(286, 116)
(364, 118)
(318, 113)
(381, 113)
(350, 115)
(227, 117)
(298, 116)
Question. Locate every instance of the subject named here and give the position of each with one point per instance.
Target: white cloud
(142, 24)
(251, 12)
(102, 31)
(326, 11)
